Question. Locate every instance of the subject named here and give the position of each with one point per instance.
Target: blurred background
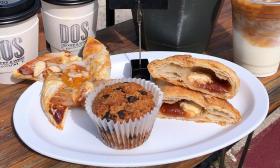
(121, 15)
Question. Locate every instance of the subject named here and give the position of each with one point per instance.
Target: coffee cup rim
(68, 2)
(21, 16)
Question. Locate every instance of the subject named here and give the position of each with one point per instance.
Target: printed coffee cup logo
(11, 52)
(4, 2)
(8, 2)
(74, 36)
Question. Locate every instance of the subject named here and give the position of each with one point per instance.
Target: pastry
(57, 98)
(185, 104)
(207, 76)
(40, 67)
(67, 78)
(97, 57)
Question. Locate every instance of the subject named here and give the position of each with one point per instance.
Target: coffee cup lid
(68, 2)
(14, 11)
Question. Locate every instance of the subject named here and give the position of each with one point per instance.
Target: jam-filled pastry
(185, 104)
(57, 97)
(56, 100)
(207, 76)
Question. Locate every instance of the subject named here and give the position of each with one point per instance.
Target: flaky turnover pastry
(207, 76)
(185, 104)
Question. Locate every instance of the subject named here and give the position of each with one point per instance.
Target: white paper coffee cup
(67, 25)
(18, 38)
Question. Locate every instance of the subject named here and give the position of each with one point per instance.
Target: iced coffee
(256, 35)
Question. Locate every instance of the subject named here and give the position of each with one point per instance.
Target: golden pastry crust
(57, 98)
(92, 46)
(95, 56)
(79, 94)
(42, 66)
(67, 78)
(207, 76)
(214, 109)
(98, 58)
(54, 101)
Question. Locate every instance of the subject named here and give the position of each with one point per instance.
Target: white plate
(170, 140)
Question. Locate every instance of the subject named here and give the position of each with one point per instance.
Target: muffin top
(123, 101)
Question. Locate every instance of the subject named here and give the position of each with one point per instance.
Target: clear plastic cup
(256, 36)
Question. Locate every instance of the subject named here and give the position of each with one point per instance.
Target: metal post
(139, 21)
(222, 158)
(110, 15)
(245, 150)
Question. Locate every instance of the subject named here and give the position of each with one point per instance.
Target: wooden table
(119, 38)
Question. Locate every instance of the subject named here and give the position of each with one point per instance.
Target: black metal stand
(245, 150)
(246, 147)
(243, 155)
(222, 158)
(110, 15)
(221, 155)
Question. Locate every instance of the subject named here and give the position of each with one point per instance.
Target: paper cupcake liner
(126, 135)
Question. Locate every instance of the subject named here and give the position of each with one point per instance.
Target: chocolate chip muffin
(124, 111)
(123, 101)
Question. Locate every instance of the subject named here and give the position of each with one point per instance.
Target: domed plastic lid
(68, 2)
(14, 11)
